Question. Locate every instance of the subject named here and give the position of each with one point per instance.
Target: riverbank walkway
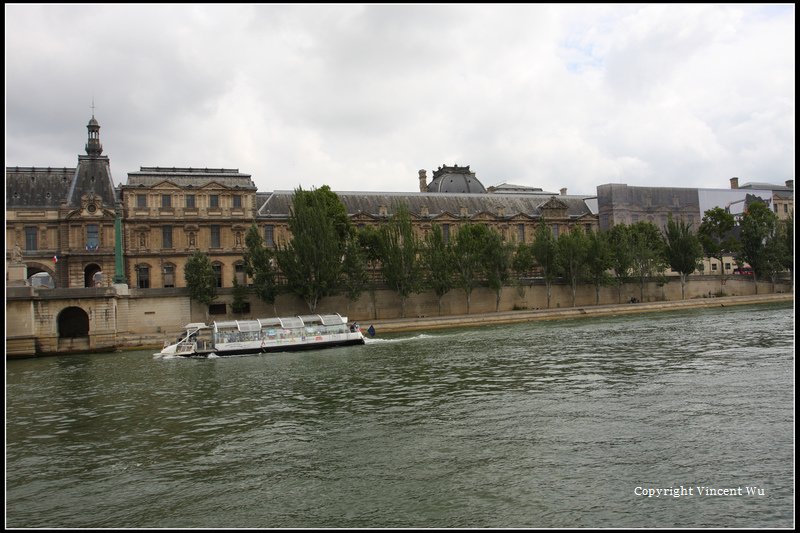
(510, 317)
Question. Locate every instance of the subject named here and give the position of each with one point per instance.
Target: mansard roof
(37, 187)
(506, 206)
(187, 176)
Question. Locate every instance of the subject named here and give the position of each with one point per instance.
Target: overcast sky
(361, 97)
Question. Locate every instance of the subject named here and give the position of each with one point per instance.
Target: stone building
(60, 221)
(171, 213)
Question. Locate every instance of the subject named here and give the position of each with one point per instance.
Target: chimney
(734, 183)
(790, 184)
(423, 181)
(564, 191)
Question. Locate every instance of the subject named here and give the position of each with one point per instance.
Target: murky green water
(549, 424)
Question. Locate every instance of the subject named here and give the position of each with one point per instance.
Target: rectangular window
(141, 200)
(213, 200)
(143, 277)
(269, 236)
(215, 239)
(713, 267)
(190, 201)
(218, 274)
(166, 237)
(521, 232)
(785, 208)
(92, 236)
(217, 309)
(446, 233)
(555, 231)
(166, 200)
(239, 274)
(169, 276)
(727, 266)
(31, 242)
(237, 200)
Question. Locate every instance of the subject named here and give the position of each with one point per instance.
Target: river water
(572, 423)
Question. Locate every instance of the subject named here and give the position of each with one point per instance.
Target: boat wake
(421, 336)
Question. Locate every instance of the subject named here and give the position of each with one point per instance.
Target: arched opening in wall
(89, 278)
(73, 322)
(40, 277)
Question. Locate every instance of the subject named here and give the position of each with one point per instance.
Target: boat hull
(224, 351)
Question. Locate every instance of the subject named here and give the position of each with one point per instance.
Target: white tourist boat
(289, 334)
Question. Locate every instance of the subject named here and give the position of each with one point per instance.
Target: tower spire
(93, 146)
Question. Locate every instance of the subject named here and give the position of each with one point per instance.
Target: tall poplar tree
(400, 248)
(258, 265)
(545, 251)
(437, 259)
(200, 278)
(312, 260)
(683, 250)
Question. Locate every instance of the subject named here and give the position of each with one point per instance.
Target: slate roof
(195, 177)
(277, 204)
(37, 187)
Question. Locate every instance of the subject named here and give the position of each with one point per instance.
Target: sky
(362, 97)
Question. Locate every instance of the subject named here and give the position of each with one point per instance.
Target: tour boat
(289, 334)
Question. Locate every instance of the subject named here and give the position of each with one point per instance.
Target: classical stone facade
(62, 219)
(171, 213)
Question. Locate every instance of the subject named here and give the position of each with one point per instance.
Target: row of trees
(328, 256)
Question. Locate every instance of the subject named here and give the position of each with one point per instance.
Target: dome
(455, 179)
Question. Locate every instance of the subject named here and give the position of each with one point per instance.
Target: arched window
(89, 273)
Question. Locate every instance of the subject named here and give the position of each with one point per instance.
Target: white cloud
(360, 97)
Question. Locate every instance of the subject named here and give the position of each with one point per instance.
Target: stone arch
(73, 322)
(39, 268)
(89, 272)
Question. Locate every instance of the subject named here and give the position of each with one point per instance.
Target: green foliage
(437, 260)
(496, 263)
(545, 252)
(758, 237)
(399, 249)
(239, 297)
(599, 259)
(571, 259)
(647, 252)
(200, 278)
(468, 257)
(312, 260)
(716, 235)
(258, 265)
(682, 249)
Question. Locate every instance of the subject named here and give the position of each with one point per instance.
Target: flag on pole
(371, 331)
(55, 259)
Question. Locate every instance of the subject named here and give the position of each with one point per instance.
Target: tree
(354, 272)
(572, 257)
(399, 250)
(240, 303)
(545, 252)
(312, 260)
(258, 266)
(522, 264)
(468, 257)
(200, 278)
(759, 226)
(369, 241)
(437, 259)
(647, 248)
(683, 250)
(621, 242)
(496, 263)
(716, 236)
(599, 259)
